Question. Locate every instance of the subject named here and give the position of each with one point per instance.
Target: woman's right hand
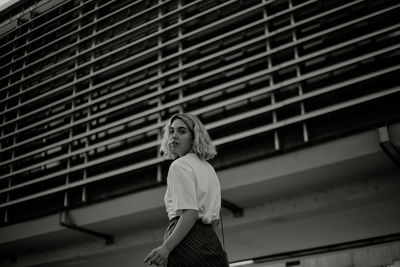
(158, 256)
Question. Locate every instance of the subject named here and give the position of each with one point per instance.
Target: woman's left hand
(158, 256)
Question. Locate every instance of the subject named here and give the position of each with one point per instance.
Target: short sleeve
(183, 186)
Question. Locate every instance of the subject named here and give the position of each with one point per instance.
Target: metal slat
(122, 91)
(122, 76)
(33, 40)
(293, 100)
(82, 135)
(147, 81)
(217, 142)
(121, 48)
(307, 116)
(108, 41)
(181, 100)
(225, 121)
(55, 29)
(221, 123)
(282, 66)
(69, 35)
(152, 79)
(35, 18)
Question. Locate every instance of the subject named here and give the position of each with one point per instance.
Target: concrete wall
(295, 201)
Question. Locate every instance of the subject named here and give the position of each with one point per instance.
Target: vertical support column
(89, 114)
(20, 89)
(2, 130)
(71, 133)
(2, 133)
(298, 74)
(72, 119)
(84, 175)
(67, 176)
(18, 111)
(159, 89)
(268, 47)
(180, 78)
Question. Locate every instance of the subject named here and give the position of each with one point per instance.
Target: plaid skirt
(200, 247)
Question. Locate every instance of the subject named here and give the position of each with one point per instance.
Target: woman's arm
(186, 221)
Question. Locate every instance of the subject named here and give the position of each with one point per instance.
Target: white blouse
(192, 183)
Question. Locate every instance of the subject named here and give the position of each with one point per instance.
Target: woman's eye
(179, 131)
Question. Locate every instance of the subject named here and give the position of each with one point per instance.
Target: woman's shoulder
(182, 162)
(189, 160)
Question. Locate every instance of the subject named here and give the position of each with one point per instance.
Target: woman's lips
(174, 143)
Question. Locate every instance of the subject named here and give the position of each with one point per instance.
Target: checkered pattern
(200, 247)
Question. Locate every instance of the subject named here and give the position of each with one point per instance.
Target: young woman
(192, 199)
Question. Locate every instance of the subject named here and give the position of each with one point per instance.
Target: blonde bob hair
(202, 145)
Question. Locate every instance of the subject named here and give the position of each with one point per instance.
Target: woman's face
(181, 139)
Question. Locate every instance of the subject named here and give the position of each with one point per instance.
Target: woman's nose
(174, 136)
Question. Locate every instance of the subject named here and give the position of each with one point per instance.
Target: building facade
(300, 97)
